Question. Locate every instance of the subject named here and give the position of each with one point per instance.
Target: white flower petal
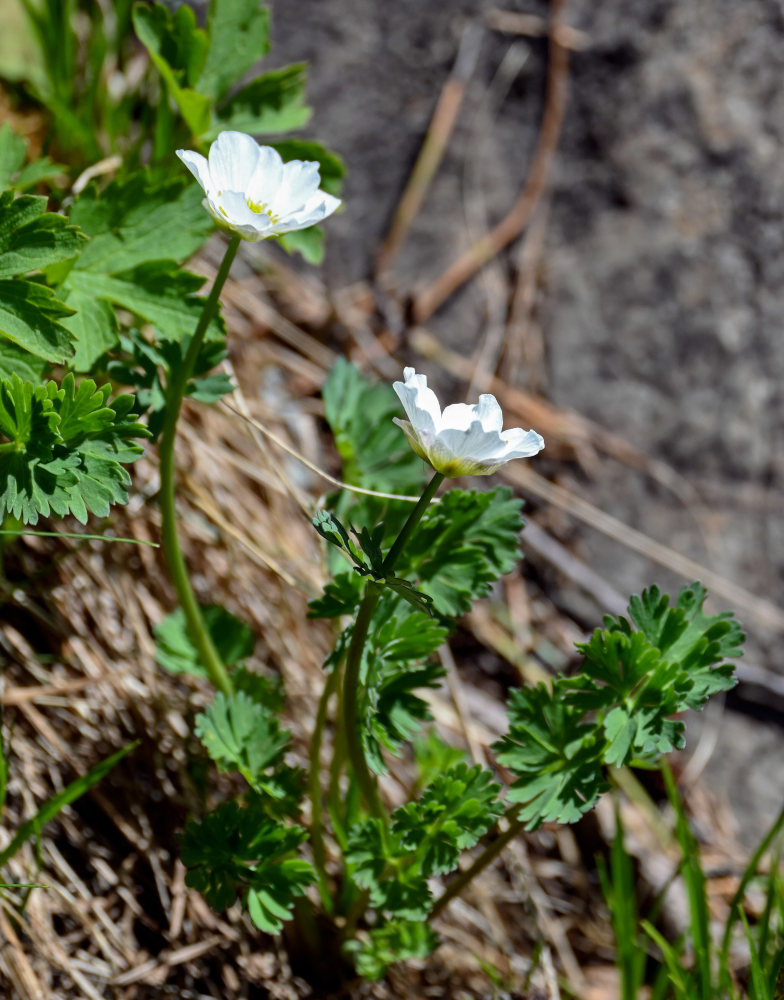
(263, 187)
(199, 167)
(233, 159)
(521, 444)
(419, 402)
(488, 412)
(457, 417)
(300, 182)
(318, 208)
(463, 440)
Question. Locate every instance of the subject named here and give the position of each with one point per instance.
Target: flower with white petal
(463, 440)
(252, 192)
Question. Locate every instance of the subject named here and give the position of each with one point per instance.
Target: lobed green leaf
(239, 849)
(392, 941)
(234, 640)
(65, 450)
(454, 811)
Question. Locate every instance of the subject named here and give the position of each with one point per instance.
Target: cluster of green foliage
(621, 709)
(100, 287)
(84, 73)
(97, 289)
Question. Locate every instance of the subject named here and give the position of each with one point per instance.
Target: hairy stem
(351, 688)
(351, 685)
(314, 786)
(412, 521)
(178, 571)
(490, 853)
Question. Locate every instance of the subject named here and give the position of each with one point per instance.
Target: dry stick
(512, 22)
(441, 125)
(510, 227)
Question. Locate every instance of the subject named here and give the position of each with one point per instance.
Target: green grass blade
(694, 878)
(776, 977)
(740, 892)
(677, 975)
(758, 986)
(619, 891)
(50, 808)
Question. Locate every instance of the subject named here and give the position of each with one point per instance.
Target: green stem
(336, 807)
(413, 520)
(351, 688)
(351, 683)
(314, 785)
(490, 853)
(208, 655)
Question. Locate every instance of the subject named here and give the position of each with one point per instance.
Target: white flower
(463, 440)
(251, 191)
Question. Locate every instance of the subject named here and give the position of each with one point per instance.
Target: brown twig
(440, 129)
(510, 227)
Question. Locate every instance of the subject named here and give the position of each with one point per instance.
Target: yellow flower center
(263, 208)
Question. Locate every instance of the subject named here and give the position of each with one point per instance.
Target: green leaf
(30, 318)
(65, 449)
(13, 150)
(392, 941)
(15, 360)
(454, 811)
(391, 675)
(37, 172)
(93, 325)
(115, 270)
(308, 242)
(341, 597)
(238, 32)
(242, 735)
(32, 238)
(32, 827)
(554, 756)
(30, 315)
(271, 103)
(237, 850)
(135, 220)
(157, 291)
(233, 640)
(644, 677)
(620, 729)
(178, 48)
(13, 173)
(148, 368)
(332, 530)
(380, 864)
(462, 546)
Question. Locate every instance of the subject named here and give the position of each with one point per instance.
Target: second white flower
(462, 440)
